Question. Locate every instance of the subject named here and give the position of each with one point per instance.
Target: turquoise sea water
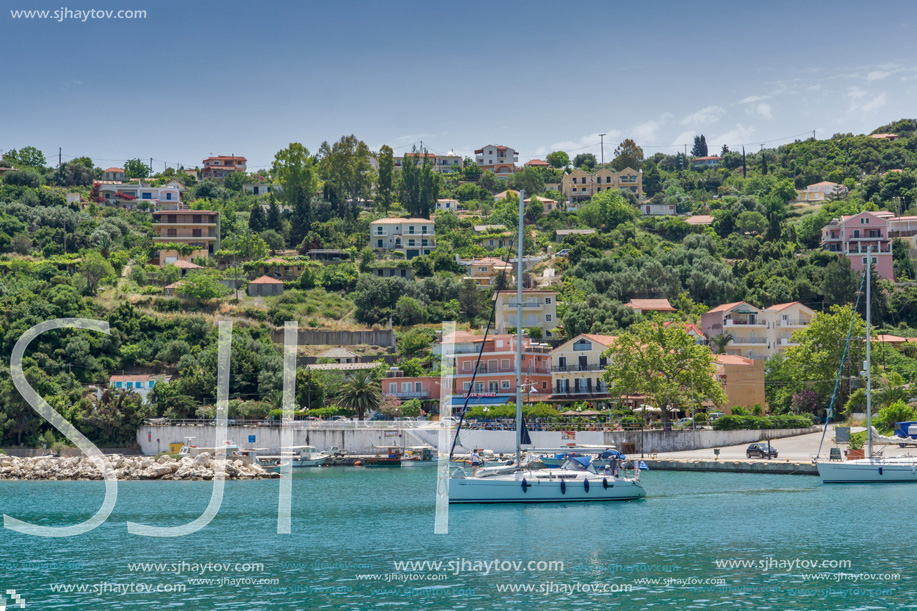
(349, 523)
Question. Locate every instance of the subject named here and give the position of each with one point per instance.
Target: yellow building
(486, 272)
(539, 309)
(742, 379)
(580, 184)
(577, 366)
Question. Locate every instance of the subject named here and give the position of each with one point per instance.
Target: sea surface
(698, 541)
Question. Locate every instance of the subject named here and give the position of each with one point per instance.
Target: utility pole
(151, 166)
(602, 143)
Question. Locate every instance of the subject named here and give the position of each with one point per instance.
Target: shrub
(735, 423)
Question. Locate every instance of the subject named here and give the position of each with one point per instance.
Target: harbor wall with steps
(153, 439)
(781, 467)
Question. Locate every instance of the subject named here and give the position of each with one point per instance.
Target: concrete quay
(776, 466)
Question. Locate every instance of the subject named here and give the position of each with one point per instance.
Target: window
(547, 301)
(466, 386)
(170, 233)
(423, 228)
(196, 218)
(117, 384)
(405, 387)
(492, 387)
(607, 179)
(504, 384)
(562, 362)
(380, 244)
(146, 195)
(379, 231)
(196, 233)
(504, 364)
(392, 388)
(151, 383)
(168, 197)
(864, 260)
(466, 366)
(418, 387)
(479, 387)
(547, 318)
(544, 386)
(410, 228)
(130, 384)
(411, 242)
(856, 233)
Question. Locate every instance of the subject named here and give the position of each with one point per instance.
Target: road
(799, 448)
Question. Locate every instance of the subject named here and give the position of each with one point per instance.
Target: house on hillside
(539, 309)
(821, 191)
(580, 185)
(499, 159)
(265, 286)
(645, 306)
(219, 167)
(577, 366)
(414, 236)
(113, 175)
(141, 384)
(857, 236)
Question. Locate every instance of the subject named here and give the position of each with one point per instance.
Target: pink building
(425, 388)
(495, 382)
(855, 236)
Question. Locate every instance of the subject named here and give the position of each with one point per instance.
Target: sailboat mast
(868, 359)
(519, 251)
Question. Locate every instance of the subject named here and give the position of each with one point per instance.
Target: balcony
(484, 369)
(525, 304)
(582, 390)
(791, 322)
(882, 249)
(571, 368)
(786, 341)
(744, 322)
(741, 341)
(411, 395)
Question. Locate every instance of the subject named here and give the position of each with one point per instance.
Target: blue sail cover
(583, 460)
(526, 440)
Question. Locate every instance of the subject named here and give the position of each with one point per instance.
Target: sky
(247, 78)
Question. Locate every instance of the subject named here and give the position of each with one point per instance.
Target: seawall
(153, 439)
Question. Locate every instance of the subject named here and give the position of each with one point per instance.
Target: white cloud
(733, 137)
(590, 143)
(862, 100)
(763, 110)
(878, 75)
(753, 98)
(704, 116)
(685, 137)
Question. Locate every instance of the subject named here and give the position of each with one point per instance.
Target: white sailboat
(576, 480)
(872, 468)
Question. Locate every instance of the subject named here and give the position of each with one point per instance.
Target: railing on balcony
(582, 390)
(508, 369)
(569, 368)
(411, 395)
(730, 322)
(793, 322)
(749, 340)
(525, 304)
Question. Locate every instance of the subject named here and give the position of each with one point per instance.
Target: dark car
(761, 450)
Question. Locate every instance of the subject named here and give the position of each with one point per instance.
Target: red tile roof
(114, 170)
(699, 219)
(654, 305)
(227, 157)
(144, 377)
(181, 264)
(266, 280)
(537, 162)
(605, 340)
(728, 306)
(733, 359)
(781, 306)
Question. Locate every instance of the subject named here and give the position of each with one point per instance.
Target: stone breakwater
(201, 467)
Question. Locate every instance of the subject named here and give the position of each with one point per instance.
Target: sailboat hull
(869, 470)
(509, 489)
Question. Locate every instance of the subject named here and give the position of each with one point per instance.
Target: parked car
(682, 423)
(448, 421)
(712, 416)
(340, 419)
(761, 450)
(379, 416)
(562, 253)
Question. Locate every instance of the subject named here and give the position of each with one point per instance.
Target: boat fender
(563, 487)
(605, 483)
(525, 485)
(586, 485)
(880, 470)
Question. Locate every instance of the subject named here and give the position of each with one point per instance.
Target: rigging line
(840, 369)
(477, 363)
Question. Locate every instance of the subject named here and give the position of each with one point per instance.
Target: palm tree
(721, 341)
(890, 393)
(360, 393)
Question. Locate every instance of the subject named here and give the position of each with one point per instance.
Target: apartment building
(142, 384)
(200, 228)
(577, 366)
(539, 309)
(580, 184)
(492, 237)
(424, 388)
(756, 334)
(414, 236)
(742, 380)
(259, 189)
(219, 167)
(857, 235)
(501, 160)
(495, 381)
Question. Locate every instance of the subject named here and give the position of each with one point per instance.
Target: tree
(295, 172)
(385, 183)
(134, 168)
(414, 342)
(408, 312)
(256, 220)
(202, 286)
(75, 174)
(585, 161)
(840, 283)
(700, 146)
(663, 363)
(628, 155)
(95, 268)
(28, 156)
(752, 222)
(346, 164)
(274, 218)
(721, 341)
(724, 150)
(235, 181)
(273, 240)
(558, 159)
(361, 392)
(531, 180)
(817, 357)
(607, 209)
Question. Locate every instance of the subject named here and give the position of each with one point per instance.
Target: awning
(459, 401)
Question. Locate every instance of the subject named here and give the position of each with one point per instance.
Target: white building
(501, 160)
(414, 236)
(153, 195)
(141, 384)
(539, 309)
(259, 189)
